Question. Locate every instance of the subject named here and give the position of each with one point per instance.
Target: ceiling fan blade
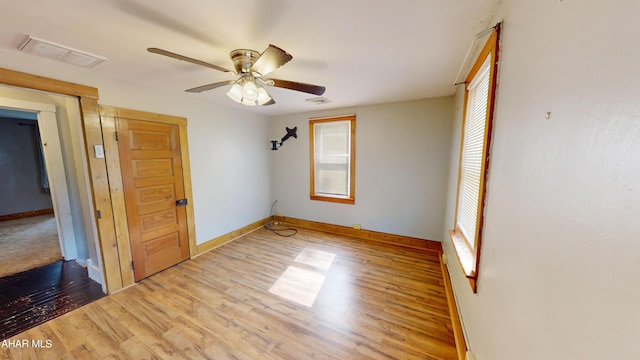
(297, 86)
(271, 58)
(270, 102)
(202, 88)
(187, 59)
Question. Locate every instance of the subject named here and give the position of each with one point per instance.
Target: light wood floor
(375, 302)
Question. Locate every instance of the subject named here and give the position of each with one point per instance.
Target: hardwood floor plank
(136, 349)
(38, 295)
(107, 325)
(151, 340)
(377, 301)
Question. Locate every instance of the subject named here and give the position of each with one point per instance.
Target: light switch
(99, 151)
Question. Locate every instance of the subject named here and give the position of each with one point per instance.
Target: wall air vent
(59, 52)
(318, 100)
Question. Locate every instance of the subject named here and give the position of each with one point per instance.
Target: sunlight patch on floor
(316, 258)
(298, 285)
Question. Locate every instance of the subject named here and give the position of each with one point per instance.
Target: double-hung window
(474, 158)
(332, 159)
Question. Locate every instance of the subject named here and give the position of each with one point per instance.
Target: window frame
(469, 254)
(350, 199)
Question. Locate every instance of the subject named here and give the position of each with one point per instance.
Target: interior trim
(458, 334)
(24, 80)
(399, 240)
(100, 196)
(25, 214)
(230, 236)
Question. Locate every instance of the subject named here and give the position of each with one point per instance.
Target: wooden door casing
(151, 168)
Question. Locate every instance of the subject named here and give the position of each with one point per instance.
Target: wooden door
(151, 167)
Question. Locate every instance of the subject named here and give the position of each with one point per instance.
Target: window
(474, 158)
(332, 152)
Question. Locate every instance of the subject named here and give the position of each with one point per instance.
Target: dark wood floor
(264, 296)
(32, 297)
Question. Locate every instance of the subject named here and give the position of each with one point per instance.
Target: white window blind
(332, 160)
(472, 153)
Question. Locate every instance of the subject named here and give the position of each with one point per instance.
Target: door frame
(92, 135)
(52, 153)
(107, 241)
(108, 115)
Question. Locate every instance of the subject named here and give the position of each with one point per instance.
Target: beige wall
(558, 272)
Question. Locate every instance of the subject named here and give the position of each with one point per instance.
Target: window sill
(341, 200)
(466, 258)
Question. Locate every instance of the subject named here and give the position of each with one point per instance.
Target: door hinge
(116, 136)
(132, 266)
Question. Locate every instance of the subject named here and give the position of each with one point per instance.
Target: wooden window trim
(468, 254)
(352, 164)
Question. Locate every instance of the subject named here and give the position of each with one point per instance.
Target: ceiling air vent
(58, 52)
(318, 100)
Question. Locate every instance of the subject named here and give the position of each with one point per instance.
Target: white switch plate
(99, 151)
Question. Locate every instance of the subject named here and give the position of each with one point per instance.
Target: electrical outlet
(357, 226)
(445, 259)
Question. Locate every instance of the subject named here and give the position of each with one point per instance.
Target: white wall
(229, 158)
(402, 150)
(558, 273)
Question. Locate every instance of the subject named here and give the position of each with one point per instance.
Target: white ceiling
(363, 51)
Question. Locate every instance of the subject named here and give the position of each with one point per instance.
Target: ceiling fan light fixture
(250, 66)
(247, 92)
(263, 96)
(250, 91)
(247, 102)
(235, 93)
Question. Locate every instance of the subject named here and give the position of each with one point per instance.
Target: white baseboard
(82, 262)
(95, 273)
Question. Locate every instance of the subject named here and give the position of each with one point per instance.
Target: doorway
(108, 245)
(54, 168)
(28, 231)
(49, 290)
(62, 160)
(150, 183)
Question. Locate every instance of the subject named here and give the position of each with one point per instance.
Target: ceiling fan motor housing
(243, 60)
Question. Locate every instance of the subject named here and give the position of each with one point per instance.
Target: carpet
(28, 243)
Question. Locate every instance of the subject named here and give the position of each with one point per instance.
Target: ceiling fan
(251, 67)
